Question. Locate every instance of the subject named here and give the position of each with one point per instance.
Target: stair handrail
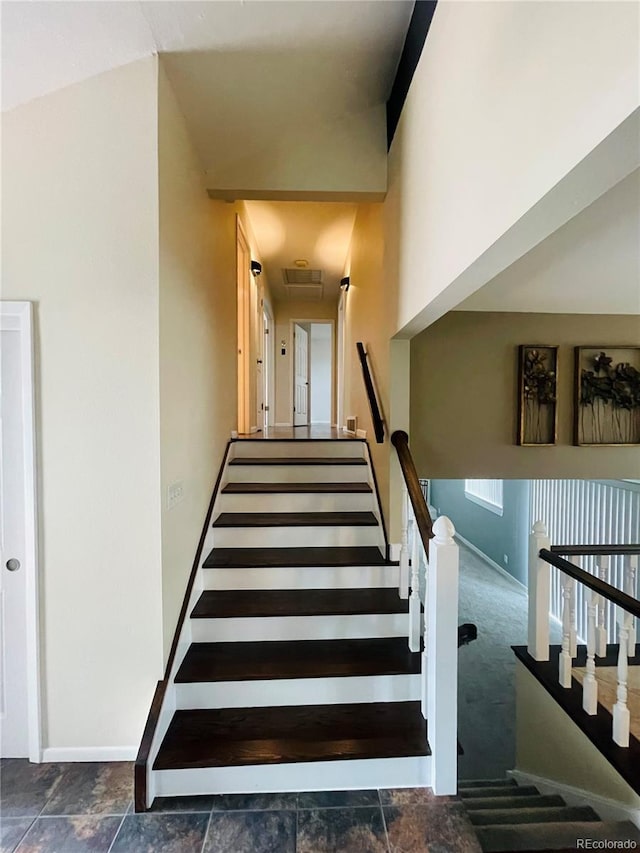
(599, 627)
(400, 441)
(378, 423)
(600, 587)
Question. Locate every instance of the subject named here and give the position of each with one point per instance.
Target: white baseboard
(491, 562)
(253, 429)
(89, 753)
(361, 433)
(606, 809)
(283, 424)
(394, 551)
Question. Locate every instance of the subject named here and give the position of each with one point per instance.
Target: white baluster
(573, 636)
(602, 562)
(539, 594)
(631, 575)
(590, 684)
(414, 600)
(565, 655)
(442, 660)
(404, 547)
(621, 715)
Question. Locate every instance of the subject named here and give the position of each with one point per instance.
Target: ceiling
(589, 266)
(319, 233)
(250, 75)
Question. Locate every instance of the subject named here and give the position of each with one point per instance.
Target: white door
(301, 377)
(19, 711)
(266, 368)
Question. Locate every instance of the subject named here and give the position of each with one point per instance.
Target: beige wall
(464, 396)
(80, 239)
(285, 312)
(488, 130)
(368, 319)
(197, 345)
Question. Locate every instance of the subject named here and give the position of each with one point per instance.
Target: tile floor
(87, 808)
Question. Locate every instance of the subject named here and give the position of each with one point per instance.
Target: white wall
(320, 347)
(506, 100)
(80, 239)
(197, 346)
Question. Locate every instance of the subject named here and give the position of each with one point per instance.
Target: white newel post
(621, 715)
(404, 547)
(564, 673)
(442, 660)
(601, 631)
(414, 600)
(631, 575)
(539, 594)
(590, 684)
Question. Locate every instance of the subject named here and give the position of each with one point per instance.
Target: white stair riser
(409, 772)
(290, 577)
(350, 627)
(294, 537)
(298, 691)
(303, 502)
(296, 449)
(298, 474)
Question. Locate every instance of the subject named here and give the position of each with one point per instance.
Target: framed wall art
(607, 406)
(537, 404)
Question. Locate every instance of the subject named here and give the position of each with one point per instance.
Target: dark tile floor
(87, 808)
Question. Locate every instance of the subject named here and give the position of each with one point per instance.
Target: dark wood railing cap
(611, 593)
(376, 417)
(595, 550)
(400, 441)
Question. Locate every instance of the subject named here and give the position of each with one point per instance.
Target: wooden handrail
(378, 423)
(400, 441)
(611, 593)
(593, 550)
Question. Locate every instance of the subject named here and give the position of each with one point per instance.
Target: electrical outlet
(505, 559)
(175, 494)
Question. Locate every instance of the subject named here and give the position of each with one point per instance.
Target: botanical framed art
(537, 404)
(607, 407)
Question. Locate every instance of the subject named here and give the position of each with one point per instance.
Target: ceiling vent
(308, 292)
(302, 276)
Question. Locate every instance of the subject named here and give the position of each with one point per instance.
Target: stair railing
(376, 417)
(599, 592)
(429, 579)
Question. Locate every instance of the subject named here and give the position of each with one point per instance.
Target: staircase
(510, 817)
(291, 669)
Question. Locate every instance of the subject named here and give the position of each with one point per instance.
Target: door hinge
(266, 408)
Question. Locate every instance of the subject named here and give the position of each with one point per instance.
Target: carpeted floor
(486, 675)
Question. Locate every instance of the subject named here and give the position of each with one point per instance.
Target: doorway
(19, 654)
(313, 372)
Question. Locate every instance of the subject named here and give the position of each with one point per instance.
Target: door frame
(340, 360)
(18, 316)
(243, 346)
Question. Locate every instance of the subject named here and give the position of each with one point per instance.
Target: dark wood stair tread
(241, 736)
(239, 558)
(207, 662)
(221, 604)
(296, 519)
(294, 488)
(298, 460)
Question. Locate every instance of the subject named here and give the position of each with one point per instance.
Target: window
(487, 493)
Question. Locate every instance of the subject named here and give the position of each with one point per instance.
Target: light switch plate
(175, 494)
